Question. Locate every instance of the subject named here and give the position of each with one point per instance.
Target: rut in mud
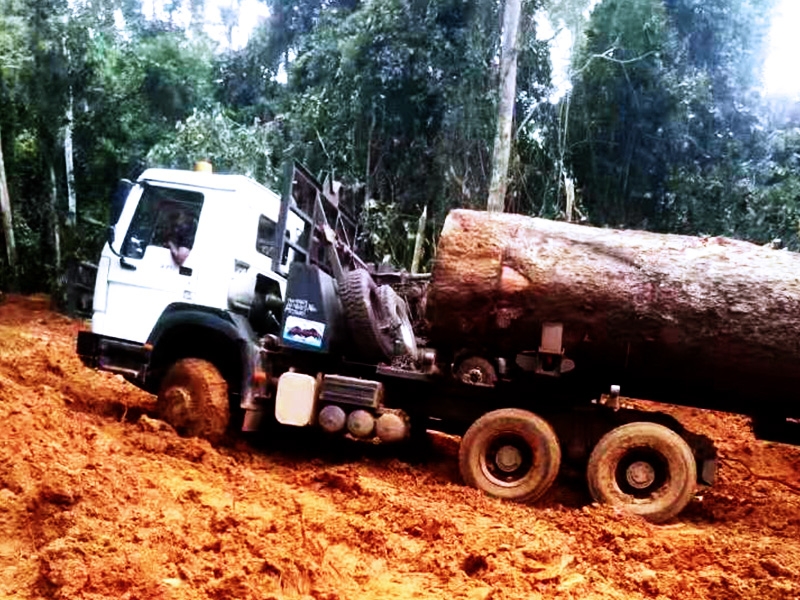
(100, 500)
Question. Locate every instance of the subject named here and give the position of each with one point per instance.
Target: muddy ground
(98, 502)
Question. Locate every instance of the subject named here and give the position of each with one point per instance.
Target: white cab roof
(214, 181)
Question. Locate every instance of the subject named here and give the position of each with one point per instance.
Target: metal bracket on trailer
(327, 226)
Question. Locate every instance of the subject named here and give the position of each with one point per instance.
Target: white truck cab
(191, 237)
(199, 265)
(209, 283)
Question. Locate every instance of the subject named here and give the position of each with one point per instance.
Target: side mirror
(110, 239)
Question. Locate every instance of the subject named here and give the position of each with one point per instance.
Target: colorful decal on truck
(303, 331)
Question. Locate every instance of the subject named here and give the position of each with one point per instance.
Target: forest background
(663, 125)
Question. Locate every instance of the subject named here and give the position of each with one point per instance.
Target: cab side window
(163, 216)
(265, 239)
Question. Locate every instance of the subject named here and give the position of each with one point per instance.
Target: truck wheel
(511, 454)
(644, 468)
(365, 316)
(194, 399)
(476, 370)
(398, 323)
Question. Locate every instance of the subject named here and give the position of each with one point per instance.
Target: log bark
(706, 321)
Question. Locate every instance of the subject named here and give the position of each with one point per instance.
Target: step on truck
(241, 309)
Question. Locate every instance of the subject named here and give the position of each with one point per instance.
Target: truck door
(156, 266)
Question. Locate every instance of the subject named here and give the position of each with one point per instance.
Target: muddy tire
(365, 316)
(194, 399)
(645, 469)
(511, 454)
(397, 320)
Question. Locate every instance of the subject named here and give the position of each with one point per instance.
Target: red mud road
(98, 503)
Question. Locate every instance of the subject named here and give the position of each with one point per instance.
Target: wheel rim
(398, 322)
(474, 375)
(507, 460)
(642, 473)
(407, 335)
(476, 371)
(179, 404)
(178, 396)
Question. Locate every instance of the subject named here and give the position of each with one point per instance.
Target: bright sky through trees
(248, 14)
(781, 72)
(781, 69)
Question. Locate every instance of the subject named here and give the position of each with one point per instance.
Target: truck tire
(475, 370)
(398, 322)
(645, 469)
(365, 316)
(193, 398)
(511, 454)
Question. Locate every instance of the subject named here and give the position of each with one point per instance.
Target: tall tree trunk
(69, 164)
(505, 112)
(54, 219)
(8, 222)
(418, 241)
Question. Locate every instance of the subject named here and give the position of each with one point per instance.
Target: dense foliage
(669, 129)
(664, 128)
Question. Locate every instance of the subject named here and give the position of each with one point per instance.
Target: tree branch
(607, 55)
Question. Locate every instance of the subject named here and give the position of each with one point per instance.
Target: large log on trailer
(702, 320)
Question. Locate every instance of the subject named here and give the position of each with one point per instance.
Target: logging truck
(241, 309)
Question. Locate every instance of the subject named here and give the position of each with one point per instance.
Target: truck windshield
(163, 215)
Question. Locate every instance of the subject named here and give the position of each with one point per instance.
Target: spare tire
(365, 316)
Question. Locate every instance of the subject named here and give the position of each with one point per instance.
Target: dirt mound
(100, 500)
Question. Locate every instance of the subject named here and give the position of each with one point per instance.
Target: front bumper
(129, 359)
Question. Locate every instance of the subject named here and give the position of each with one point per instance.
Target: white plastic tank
(294, 402)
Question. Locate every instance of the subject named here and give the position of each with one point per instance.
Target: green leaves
(662, 130)
(211, 135)
(666, 129)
